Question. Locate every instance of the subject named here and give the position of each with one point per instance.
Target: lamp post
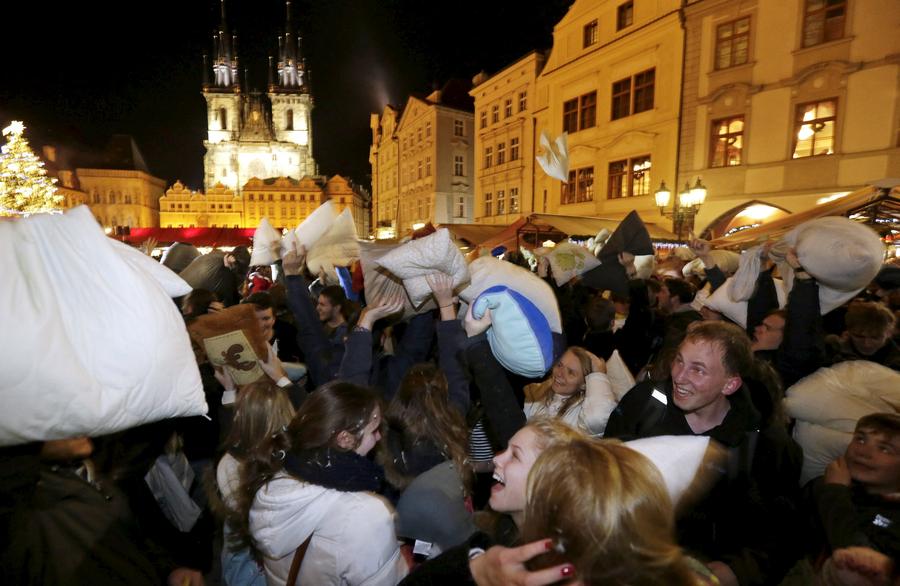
(684, 208)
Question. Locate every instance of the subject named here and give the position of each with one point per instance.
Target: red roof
(196, 236)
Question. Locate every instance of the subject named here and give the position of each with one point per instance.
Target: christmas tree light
(25, 188)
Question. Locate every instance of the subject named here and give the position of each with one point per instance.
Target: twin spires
(287, 75)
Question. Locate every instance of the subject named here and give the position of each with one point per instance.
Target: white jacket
(353, 535)
(590, 415)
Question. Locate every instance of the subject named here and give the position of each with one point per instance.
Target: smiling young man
(743, 527)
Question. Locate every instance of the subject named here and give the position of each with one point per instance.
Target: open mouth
(500, 483)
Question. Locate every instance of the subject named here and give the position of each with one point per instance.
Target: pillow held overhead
(315, 225)
(339, 247)
(434, 253)
(568, 260)
(266, 244)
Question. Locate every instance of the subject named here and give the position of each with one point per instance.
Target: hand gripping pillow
(519, 335)
(487, 272)
(337, 248)
(266, 245)
(99, 347)
(316, 225)
(568, 260)
(736, 311)
(434, 253)
(378, 282)
(842, 255)
(172, 284)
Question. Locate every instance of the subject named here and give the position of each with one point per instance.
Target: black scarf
(344, 471)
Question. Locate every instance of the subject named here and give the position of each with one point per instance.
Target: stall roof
(588, 226)
(474, 234)
(872, 204)
(196, 236)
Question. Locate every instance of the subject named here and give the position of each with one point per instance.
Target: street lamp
(684, 208)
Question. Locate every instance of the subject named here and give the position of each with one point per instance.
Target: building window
(814, 129)
(570, 116)
(823, 21)
(428, 166)
(625, 15)
(461, 206)
(591, 34)
(514, 149)
(629, 178)
(223, 119)
(428, 130)
(727, 142)
(418, 169)
(588, 114)
(488, 204)
(484, 119)
(495, 113)
(488, 157)
(580, 187)
(501, 202)
(514, 200)
(523, 101)
(501, 153)
(626, 102)
(507, 108)
(733, 43)
(458, 128)
(458, 167)
(289, 120)
(419, 134)
(282, 197)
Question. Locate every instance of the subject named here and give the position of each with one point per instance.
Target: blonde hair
(607, 510)
(543, 392)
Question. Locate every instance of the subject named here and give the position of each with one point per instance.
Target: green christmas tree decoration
(25, 188)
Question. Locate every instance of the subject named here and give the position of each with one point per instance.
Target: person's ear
(346, 440)
(732, 385)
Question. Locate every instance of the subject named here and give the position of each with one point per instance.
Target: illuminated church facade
(251, 134)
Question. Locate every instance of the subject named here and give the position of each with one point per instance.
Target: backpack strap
(297, 561)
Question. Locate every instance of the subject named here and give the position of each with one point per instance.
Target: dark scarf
(344, 471)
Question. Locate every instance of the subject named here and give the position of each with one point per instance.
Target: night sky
(78, 72)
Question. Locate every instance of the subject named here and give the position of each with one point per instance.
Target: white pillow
(736, 311)
(337, 248)
(620, 376)
(379, 283)
(726, 260)
(568, 260)
(488, 271)
(172, 284)
(412, 261)
(316, 225)
(555, 160)
(266, 245)
(103, 348)
(678, 459)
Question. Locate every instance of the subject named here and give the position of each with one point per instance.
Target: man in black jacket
(744, 526)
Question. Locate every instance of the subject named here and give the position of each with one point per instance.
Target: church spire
(291, 67)
(225, 61)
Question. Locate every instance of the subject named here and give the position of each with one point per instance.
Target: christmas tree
(25, 188)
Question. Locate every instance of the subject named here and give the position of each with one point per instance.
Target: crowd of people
(377, 450)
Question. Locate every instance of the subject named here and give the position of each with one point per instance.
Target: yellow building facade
(181, 207)
(385, 163)
(505, 138)
(788, 103)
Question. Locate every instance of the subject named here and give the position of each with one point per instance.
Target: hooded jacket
(353, 540)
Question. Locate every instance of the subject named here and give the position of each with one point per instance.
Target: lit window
(733, 43)
(823, 21)
(814, 129)
(580, 186)
(625, 15)
(501, 202)
(629, 178)
(591, 34)
(727, 142)
(514, 200)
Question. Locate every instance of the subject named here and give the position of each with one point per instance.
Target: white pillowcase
(488, 271)
(413, 260)
(92, 344)
(568, 260)
(337, 248)
(171, 283)
(316, 225)
(266, 244)
(736, 311)
(379, 283)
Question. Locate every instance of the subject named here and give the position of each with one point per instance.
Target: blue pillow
(520, 335)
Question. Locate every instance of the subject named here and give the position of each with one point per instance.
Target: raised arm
(451, 339)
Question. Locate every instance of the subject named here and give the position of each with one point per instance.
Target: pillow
(209, 272)
(678, 459)
(316, 225)
(736, 311)
(726, 260)
(172, 284)
(231, 339)
(379, 284)
(266, 245)
(434, 253)
(567, 260)
(644, 265)
(91, 344)
(620, 376)
(178, 256)
(555, 160)
(519, 335)
(337, 248)
(488, 271)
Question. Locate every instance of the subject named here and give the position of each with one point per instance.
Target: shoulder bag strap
(297, 561)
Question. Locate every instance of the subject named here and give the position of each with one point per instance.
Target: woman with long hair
(306, 499)
(262, 410)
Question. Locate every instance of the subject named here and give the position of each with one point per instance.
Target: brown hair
(737, 355)
(599, 313)
(884, 423)
(421, 409)
(545, 394)
(609, 513)
(869, 318)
